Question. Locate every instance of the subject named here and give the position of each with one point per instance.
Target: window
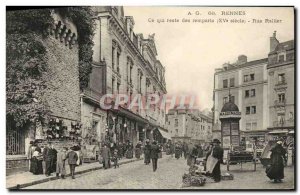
(281, 78)
(281, 97)
(232, 99)
(232, 82)
(225, 83)
(113, 57)
(112, 85)
(225, 100)
(248, 110)
(118, 88)
(118, 62)
(281, 58)
(247, 94)
(176, 122)
(252, 93)
(246, 78)
(252, 77)
(253, 109)
(248, 126)
(254, 126)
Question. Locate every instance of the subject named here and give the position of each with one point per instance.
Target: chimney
(242, 59)
(273, 42)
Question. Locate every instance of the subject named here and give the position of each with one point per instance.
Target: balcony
(280, 103)
(287, 123)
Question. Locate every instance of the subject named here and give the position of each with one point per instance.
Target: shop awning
(279, 132)
(164, 133)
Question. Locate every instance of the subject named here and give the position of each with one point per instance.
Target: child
(115, 158)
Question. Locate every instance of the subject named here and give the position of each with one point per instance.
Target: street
(136, 175)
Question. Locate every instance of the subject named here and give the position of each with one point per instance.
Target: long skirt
(129, 154)
(37, 166)
(138, 153)
(275, 171)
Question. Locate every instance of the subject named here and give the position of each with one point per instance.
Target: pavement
(137, 175)
(25, 179)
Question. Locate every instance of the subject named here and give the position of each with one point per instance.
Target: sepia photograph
(185, 98)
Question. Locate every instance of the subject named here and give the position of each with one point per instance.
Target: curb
(20, 186)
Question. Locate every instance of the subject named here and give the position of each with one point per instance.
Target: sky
(190, 52)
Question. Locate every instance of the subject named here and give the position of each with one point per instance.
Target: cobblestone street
(136, 175)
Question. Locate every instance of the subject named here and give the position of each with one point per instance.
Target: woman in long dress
(138, 150)
(37, 159)
(276, 170)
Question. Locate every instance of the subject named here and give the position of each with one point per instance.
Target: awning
(279, 132)
(164, 133)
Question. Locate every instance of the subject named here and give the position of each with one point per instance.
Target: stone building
(124, 63)
(281, 85)
(62, 95)
(258, 88)
(189, 124)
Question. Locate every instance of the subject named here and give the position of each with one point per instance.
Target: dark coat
(218, 153)
(72, 158)
(276, 169)
(154, 151)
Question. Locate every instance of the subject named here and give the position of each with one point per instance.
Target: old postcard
(150, 98)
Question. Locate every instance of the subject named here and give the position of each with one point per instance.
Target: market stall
(240, 157)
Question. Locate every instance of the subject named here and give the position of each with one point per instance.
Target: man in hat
(60, 164)
(72, 161)
(50, 155)
(154, 155)
(217, 153)
(106, 155)
(147, 151)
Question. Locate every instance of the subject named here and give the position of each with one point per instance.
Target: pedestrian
(161, 149)
(138, 150)
(106, 155)
(199, 151)
(172, 149)
(154, 155)
(60, 164)
(50, 155)
(30, 151)
(129, 152)
(177, 151)
(120, 150)
(185, 150)
(72, 161)
(115, 158)
(37, 162)
(216, 155)
(147, 151)
(276, 170)
(189, 151)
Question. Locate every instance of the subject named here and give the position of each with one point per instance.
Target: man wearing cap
(217, 153)
(147, 150)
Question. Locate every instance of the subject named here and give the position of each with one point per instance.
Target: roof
(250, 63)
(284, 46)
(229, 106)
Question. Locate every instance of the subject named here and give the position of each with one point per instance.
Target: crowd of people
(47, 160)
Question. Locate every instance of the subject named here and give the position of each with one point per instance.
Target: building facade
(62, 95)
(252, 87)
(186, 124)
(124, 63)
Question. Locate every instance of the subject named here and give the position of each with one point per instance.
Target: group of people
(113, 154)
(55, 161)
